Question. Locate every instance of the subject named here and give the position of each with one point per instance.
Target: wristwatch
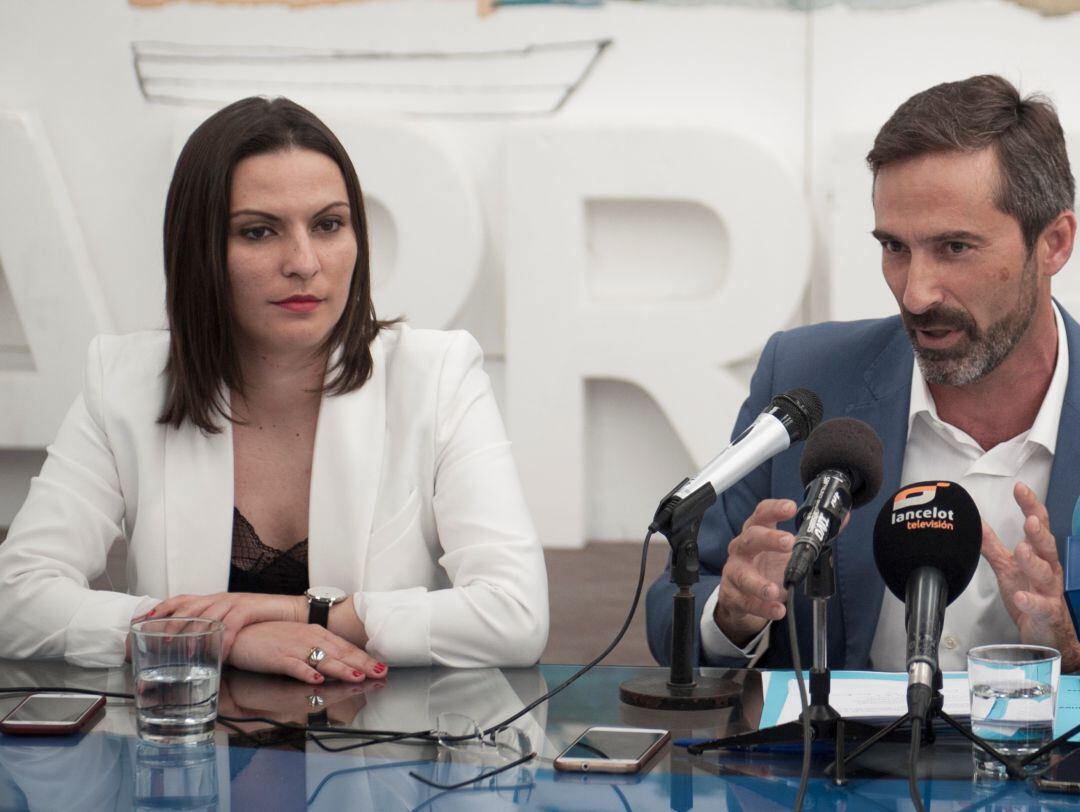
(320, 599)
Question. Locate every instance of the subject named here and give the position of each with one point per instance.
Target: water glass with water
(177, 665)
(176, 776)
(1013, 698)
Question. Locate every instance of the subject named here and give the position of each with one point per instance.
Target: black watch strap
(318, 612)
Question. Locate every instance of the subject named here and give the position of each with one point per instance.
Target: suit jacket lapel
(345, 475)
(198, 494)
(1065, 474)
(884, 404)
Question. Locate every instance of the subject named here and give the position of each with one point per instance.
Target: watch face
(326, 594)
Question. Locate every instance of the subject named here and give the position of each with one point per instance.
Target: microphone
(841, 469)
(926, 547)
(789, 418)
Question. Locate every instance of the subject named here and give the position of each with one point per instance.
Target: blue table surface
(108, 768)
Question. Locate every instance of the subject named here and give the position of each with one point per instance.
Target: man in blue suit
(973, 200)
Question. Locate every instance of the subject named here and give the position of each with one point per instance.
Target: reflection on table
(254, 765)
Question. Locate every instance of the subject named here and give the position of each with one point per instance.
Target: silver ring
(315, 656)
(315, 701)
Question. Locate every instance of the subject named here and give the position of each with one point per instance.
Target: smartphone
(52, 714)
(612, 749)
(1063, 776)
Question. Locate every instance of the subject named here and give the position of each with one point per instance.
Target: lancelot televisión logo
(907, 510)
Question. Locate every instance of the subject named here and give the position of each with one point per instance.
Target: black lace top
(258, 568)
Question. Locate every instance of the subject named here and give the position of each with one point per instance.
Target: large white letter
(52, 305)
(564, 327)
(426, 228)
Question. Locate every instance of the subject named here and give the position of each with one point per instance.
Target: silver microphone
(789, 418)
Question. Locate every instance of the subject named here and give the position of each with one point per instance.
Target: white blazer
(415, 508)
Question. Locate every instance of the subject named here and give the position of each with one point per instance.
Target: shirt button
(950, 642)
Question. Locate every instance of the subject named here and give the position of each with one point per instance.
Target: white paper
(855, 697)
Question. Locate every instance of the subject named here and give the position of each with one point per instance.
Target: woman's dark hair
(203, 364)
(1036, 184)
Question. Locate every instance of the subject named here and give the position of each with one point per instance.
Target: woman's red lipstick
(299, 304)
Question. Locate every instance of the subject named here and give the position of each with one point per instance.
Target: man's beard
(983, 350)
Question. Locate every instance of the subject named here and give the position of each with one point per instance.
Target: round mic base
(657, 693)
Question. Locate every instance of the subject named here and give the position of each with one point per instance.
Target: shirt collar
(1045, 428)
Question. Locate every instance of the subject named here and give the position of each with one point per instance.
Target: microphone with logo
(926, 546)
(841, 470)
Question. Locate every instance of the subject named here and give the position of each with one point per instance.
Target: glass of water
(176, 777)
(1013, 698)
(177, 665)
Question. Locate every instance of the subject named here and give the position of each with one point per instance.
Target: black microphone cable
(573, 677)
(376, 736)
(913, 763)
(596, 660)
(807, 733)
(23, 689)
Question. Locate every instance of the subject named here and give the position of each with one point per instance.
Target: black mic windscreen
(845, 444)
(803, 408)
(932, 524)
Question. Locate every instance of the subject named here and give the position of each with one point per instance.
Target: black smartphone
(52, 714)
(612, 749)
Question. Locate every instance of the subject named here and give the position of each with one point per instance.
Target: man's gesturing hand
(751, 584)
(1031, 581)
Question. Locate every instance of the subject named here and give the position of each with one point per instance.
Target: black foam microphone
(926, 547)
(789, 418)
(841, 469)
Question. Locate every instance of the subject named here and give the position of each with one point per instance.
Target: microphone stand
(682, 690)
(1050, 745)
(825, 722)
(1014, 768)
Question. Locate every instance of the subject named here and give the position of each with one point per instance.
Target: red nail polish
(357, 674)
(318, 677)
(151, 613)
(380, 666)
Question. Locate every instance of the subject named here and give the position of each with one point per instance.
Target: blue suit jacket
(862, 370)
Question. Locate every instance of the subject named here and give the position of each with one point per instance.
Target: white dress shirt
(938, 450)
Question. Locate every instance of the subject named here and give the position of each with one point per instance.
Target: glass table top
(252, 765)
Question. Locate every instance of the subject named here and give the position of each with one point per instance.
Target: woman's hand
(279, 647)
(236, 610)
(245, 693)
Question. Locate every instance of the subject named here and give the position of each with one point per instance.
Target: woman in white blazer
(279, 438)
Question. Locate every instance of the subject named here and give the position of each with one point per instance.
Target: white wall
(621, 260)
